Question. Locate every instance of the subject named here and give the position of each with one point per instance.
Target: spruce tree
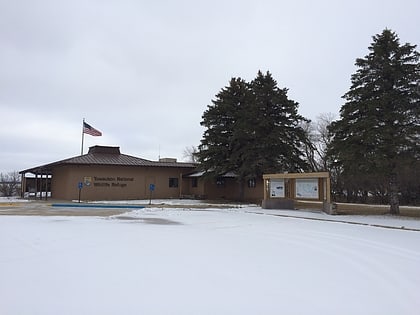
(279, 137)
(251, 129)
(220, 139)
(378, 127)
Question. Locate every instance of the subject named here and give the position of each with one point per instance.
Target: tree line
(371, 150)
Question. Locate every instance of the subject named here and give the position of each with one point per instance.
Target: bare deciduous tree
(309, 146)
(324, 138)
(190, 154)
(9, 184)
(318, 140)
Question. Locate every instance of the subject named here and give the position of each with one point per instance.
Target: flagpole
(83, 136)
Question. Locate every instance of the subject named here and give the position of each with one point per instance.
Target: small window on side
(252, 183)
(220, 182)
(173, 182)
(194, 182)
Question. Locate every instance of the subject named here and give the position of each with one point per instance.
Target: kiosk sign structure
(283, 189)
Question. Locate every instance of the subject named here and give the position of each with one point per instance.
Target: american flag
(90, 130)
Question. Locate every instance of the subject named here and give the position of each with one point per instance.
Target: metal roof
(110, 159)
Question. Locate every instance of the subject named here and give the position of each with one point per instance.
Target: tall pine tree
(222, 137)
(251, 129)
(277, 126)
(378, 129)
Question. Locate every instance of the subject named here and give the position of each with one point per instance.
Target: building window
(252, 183)
(173, 182)
(194, 182)
(220, 182)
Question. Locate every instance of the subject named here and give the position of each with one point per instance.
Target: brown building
(224, 187)
(106, 174)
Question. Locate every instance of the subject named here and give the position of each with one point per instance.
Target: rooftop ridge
(104, 150)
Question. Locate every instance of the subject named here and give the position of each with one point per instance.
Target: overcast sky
(143, 72)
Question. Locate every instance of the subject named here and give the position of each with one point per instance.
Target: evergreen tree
(276, 125)
(252, 128)
(221, 120)
(379, 123)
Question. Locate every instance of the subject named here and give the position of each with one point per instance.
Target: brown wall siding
(59, 184)
(231, 190)
(189, 191)
(257, 193)
(114, 183)
(226, 191)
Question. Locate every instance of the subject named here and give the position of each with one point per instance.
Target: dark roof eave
(47, 168)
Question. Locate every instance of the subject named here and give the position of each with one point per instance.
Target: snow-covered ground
(13, 199)
(242, 260)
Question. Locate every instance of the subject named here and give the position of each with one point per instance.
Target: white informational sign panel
(307, 188)
(277, 188)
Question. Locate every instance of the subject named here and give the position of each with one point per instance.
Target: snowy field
(208, 261)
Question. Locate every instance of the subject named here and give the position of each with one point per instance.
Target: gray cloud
(144, 72)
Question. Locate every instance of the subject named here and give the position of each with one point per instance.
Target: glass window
(220, 182)
(194, 182)
(252, 183)
(173, 182)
